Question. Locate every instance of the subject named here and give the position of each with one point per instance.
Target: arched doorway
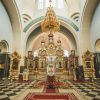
(4, 59)
(4, 46)
(97, 46)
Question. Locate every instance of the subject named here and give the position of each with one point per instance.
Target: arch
(12, 9)
(59, 18)
(36, 24)
(85, 24)
(4, 47)
(97, 45)
(75, 16)
(26, 17)
(35, 38)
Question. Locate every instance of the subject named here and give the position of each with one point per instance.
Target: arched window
(66, 53)
(53, 3)
(97, 45)
(4, 46)
(40, 4)
(35, 53)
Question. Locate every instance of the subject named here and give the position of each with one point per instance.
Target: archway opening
(97, 46)
(4, 46)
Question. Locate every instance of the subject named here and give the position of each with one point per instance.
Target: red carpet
(50, 88)
(47, 96)
(50, 91)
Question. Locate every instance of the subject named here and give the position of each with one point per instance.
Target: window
(53, 3)
(66, 53)
(40, 4)
(60, 4)
(35, 53)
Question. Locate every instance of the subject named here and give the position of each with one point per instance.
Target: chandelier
(50, 22)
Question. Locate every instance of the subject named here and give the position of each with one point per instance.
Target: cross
(50, 0)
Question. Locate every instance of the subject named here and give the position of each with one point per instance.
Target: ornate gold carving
(15, 57)
(88, 65)
(14, 65)
(1, 66)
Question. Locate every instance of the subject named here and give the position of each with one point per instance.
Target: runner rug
(50, 92)
(50, 96)
(50, 89)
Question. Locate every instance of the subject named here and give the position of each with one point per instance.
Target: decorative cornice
(59, 18)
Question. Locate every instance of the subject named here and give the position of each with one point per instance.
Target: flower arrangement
(55, 84)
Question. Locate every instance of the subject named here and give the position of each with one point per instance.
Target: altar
(50, 60)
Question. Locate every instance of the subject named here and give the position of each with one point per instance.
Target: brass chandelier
(50, 22)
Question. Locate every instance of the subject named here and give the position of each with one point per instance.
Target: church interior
(50, 49)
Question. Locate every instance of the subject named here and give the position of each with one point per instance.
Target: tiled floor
(89, 90)
(9, 90)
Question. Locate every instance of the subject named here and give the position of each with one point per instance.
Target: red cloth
(49, 96)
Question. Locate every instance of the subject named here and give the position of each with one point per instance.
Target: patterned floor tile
(9, 90)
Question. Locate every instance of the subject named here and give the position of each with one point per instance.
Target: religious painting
(25, 61)
(22, 69)
(59, 52)
(73, 52)
(30, 56)
(15, 64)
(88, 65)
(60, 65)
(15, 59)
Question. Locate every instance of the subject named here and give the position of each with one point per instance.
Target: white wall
(28, 7)
(73, 6)
(31, 8)
(5, 27)
(82, 4)
(95, 27)
(70, 6)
